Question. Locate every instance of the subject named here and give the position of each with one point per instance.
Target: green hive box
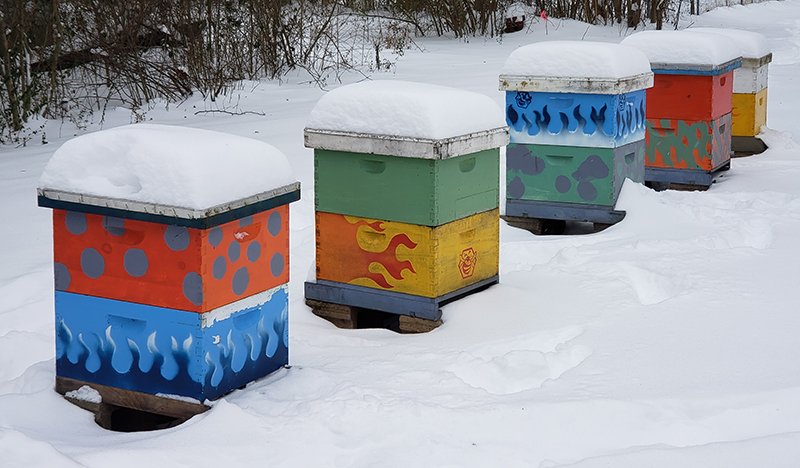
(428, 192)
(572, 174)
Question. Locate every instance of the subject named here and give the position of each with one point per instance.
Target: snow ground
(670, 339)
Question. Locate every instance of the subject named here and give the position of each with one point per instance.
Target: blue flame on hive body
(589, 120)
(157, 350)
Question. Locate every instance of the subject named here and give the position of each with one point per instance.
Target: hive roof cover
(684, 49)
(405, 109)
(751, 45)
(576, 59)
(166, 165)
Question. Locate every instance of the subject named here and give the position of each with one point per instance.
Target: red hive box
(170, 266)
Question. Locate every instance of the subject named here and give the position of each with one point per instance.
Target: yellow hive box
(749, 113)
(408, 258)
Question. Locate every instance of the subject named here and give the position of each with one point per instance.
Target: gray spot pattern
(519, 158)
(246, 221)
(586, 190)
(254, 251)
(234, 250)
(62, 276)
(176, 237)
(193, 288)
(563, 184)
(114, 226)
(92, 263)
(274, 223)
(516, 189)
(135, 262)
(215, 236)
(76, 223)
(241, 279)
(276, 264)
(592, 168)
(219, 267)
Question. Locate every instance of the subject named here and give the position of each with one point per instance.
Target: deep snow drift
(668, 340)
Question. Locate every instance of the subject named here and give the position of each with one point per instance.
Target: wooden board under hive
(569, 174)
(681, 144)
(157, 350)
(407, 258)
(429, 192)
(170, 266)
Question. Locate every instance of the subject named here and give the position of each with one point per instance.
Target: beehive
(406, 195)
(185, 298)
(689, 106)
(577, 116)
(750, 83)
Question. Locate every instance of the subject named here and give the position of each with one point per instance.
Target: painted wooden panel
(407, 258)
(588, 120)
(690, 97)
(159, 350)
(749, 113)
(678, 144)
(750, 80)
(170, 266)
(408, 190)
(570, 174)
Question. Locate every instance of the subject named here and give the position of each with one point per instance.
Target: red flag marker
(544, 17)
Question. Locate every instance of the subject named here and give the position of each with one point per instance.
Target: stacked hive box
(406, 196)
(171, 251)
(576, 112)
(749, 112)
(689, 106)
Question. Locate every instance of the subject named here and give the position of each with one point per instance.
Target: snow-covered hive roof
(753, 46)
(576, 67)
(686, 51)
(400, 118)
(165, 170)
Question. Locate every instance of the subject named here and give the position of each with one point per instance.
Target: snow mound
(167, 165)
(576, 59)
(85, 393)
(683, 47)
(406, 109)
(751, 45)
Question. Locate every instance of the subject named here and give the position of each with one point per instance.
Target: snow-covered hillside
(669, 340)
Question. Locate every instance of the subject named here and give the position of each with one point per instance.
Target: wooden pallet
(127, 411)
(349, 317)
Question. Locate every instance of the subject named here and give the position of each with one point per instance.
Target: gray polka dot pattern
(234, 250)
(253, 251)
(114, 226)
(135, 262)
(62, 276)
(240, 281)
(176, 237)
(246, 221)
(219, 267)
(276, 264)
(76, 223)
(587, 191)
(516, 189)
(92, 263)
(215, 236)
(274, 223)
(563, 184)
(193, 288)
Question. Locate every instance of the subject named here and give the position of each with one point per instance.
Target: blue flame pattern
(158, 350)
(588, 120)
